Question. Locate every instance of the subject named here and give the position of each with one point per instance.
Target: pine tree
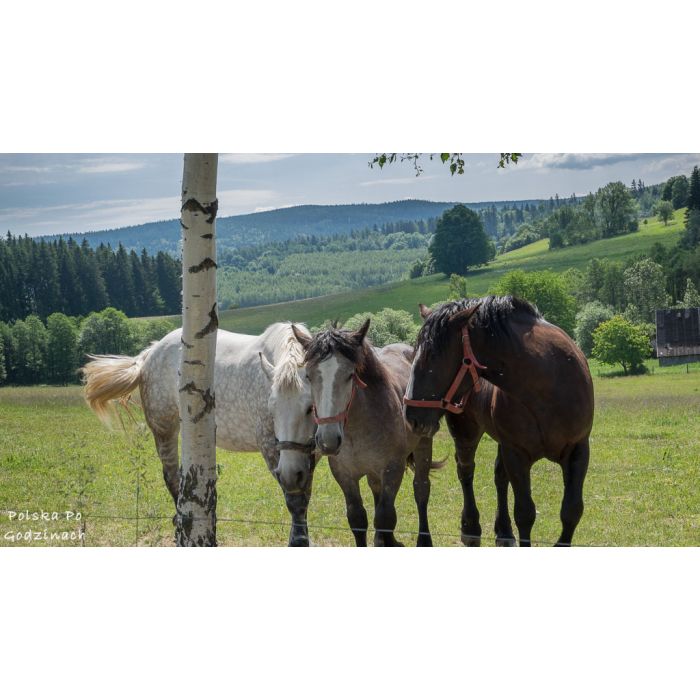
(93, 281)
(691, 298)
(3, 371)
(694, 190)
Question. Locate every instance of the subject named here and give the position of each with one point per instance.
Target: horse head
(444, 368)
(335, 360)
(291, 409)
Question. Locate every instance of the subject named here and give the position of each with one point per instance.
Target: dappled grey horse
(263, 404)
(357, 392)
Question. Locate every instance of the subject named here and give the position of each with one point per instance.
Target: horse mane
(289, 355)
(333, 340)
(493, 315)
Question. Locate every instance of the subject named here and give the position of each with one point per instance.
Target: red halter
(469, 364)
(343, 416)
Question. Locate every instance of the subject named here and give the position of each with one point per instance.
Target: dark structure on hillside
(677, 336)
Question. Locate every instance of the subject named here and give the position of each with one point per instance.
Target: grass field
(643, 486)
(408, 293)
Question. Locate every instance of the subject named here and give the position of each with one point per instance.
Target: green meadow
(643, 485)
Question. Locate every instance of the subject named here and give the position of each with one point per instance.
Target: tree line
(34, 352)
(41, 277)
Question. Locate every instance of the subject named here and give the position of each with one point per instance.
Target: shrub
(587, 320)
(387, 326)
(547, 290)
(618, 341)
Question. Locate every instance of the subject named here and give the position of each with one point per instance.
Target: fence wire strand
(320, 526)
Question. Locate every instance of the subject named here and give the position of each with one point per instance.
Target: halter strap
(304, 447)
(469, 365)
(343, 415)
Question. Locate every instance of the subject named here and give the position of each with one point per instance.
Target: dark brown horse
(496, 366)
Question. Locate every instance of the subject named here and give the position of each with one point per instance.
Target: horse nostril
(300, 477)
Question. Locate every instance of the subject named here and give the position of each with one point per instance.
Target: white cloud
(27, 168)
(87, 166)
(115, 213)
(574, 161)
(412, 180)
(110, 167)
(250, 158)
(677, 161)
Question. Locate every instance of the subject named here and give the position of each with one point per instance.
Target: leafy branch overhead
(456, 160)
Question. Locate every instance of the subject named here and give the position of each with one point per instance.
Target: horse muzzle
(421, 422)
(329, 439)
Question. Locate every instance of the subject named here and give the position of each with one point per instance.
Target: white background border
(367, 77)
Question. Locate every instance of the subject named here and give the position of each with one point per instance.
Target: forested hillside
(40, 277)
(282, 224)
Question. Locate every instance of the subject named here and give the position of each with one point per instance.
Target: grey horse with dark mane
(357, 392)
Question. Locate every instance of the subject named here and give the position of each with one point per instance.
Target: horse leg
(422, 458)
(357, 515)
(502, 526)
(470, 526)
(297, 504)
(385, 512)
(166, 444)
(574, 470)
(517, 467)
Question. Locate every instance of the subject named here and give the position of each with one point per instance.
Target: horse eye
(351, 376)
(309, 409)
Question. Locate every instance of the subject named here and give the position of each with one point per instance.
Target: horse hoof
(300, 542)
(471, 540)
(424, 541)
(505, 542)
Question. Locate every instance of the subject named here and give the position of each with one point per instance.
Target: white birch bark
(196, 505)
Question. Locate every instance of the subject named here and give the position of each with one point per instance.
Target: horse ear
(424, 311)
(267, 366)
(304, 340)
(359, 335)
(462, 318)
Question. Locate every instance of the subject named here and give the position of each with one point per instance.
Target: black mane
(492, 315)
(333, 340)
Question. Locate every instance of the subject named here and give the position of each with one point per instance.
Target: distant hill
(279, 224)
(406, 294)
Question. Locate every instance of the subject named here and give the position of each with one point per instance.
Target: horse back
(397, 360)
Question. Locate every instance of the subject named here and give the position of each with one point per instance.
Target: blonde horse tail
(111, 378)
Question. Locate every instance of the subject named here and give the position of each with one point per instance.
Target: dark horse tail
(411, 463)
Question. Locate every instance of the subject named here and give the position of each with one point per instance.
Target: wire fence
(138, 518)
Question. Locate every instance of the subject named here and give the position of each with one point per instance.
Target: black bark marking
(208, 398)
(209, 405)
(211, 326)
(187, 345)
(194, 362)
(206, 264)
(193, 205)
(207, 235)
(190, 493)
(182, 223)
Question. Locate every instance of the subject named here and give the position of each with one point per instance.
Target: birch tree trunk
(196, 503)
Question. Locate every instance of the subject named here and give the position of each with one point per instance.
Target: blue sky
(64, 193)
